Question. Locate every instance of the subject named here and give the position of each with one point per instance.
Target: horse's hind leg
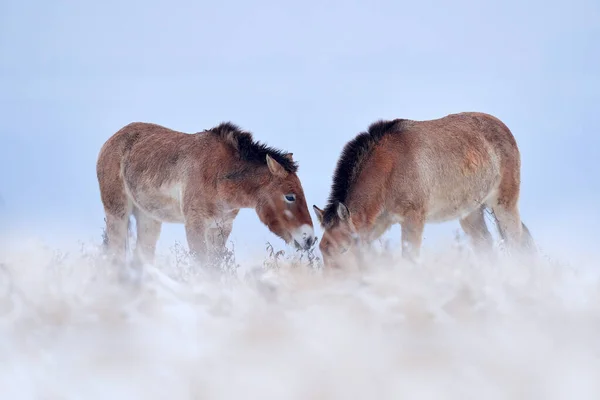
(117, 206)
(475, 227)
(509, 225)
(505, 207)
(148, 232)
(412, 227)
(116, 237)
(527, 240)
(117, 209)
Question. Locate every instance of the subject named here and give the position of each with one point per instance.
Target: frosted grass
(453, 328)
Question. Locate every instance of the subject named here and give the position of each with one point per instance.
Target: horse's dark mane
(249, 149)
(351, 160)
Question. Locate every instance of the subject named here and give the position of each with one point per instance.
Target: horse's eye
(290, 198)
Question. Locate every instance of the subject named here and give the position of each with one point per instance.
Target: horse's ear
(319, 214)
(343, 212)
(290, 156)
(275, 167)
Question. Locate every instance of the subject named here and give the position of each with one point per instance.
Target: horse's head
(281, 206)
(340, 239)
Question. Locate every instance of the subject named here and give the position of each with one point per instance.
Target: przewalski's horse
(416, 172)
(201, 180)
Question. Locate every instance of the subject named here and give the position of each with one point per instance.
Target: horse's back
(469, 139)
(455, 162)
(467, 123)
(477, 124)
(145, 162)
(126, 138)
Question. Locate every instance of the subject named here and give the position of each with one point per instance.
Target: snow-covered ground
(453, 328)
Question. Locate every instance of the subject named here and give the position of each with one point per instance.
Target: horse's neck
(365, 218)
(365, 210)
(244, 192)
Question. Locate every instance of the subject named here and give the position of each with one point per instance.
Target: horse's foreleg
(195, 231)
(379, 229)
(216, 238)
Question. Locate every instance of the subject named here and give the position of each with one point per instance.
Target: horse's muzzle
(304, 238)
(305, 244)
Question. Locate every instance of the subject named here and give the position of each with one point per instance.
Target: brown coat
(416, 172)
(201, 180)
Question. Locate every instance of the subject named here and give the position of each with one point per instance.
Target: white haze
(453, 328)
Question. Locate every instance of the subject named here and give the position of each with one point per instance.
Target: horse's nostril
(310, 241)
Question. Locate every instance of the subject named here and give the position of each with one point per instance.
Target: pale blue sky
(303, 76)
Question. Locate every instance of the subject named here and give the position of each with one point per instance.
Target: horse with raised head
(201, 180)
(417, 172)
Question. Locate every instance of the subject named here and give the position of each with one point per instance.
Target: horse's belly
(450, 212)
(163, 204)
(457, 204)
(459, 187)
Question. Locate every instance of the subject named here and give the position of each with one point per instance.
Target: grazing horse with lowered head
(416, 172)
(201, 180)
